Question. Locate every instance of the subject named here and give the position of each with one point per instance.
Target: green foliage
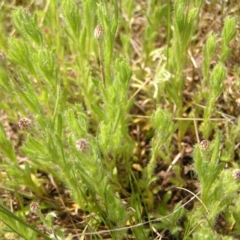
(3, 79)
(164, 129)
(183, 23)
(171, 221)
(18, 225)
(6, 146)
(208, 52)
(205, 234)
(46, 61)
(206, 166)
(23, 54)
(228, 33)
(27, 26)
(162, 122)
(218, 187)
(216, 88)
(214, 80)
(72, 17)
(84, 95)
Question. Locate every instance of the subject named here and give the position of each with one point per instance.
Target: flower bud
(98, 32)
(24, 123)
(236, 174)
(204, 145)
(34, 207)
(82, 145)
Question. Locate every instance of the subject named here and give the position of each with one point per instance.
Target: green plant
(18, 225)
(218, 186)
(101, 102)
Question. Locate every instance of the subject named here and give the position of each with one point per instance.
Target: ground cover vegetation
(119, 119)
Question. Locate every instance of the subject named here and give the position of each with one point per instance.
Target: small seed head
(98, 32)
(24, 123)
(204, 144)
(82, 145)
(236, 174)
(34, 207)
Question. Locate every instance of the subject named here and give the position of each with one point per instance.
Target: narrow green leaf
(99, 112)
(59, 125)
(21, 53)
(6, 146)
(72, 16)
(4, 79)
(60, 147)
(215, 154)
(26, 26)
(46, 62)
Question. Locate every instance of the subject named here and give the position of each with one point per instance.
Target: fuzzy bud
(204, 145)
(98, 32)
(24, 123)
(82, 145)
(236, 174)
(34, 207)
